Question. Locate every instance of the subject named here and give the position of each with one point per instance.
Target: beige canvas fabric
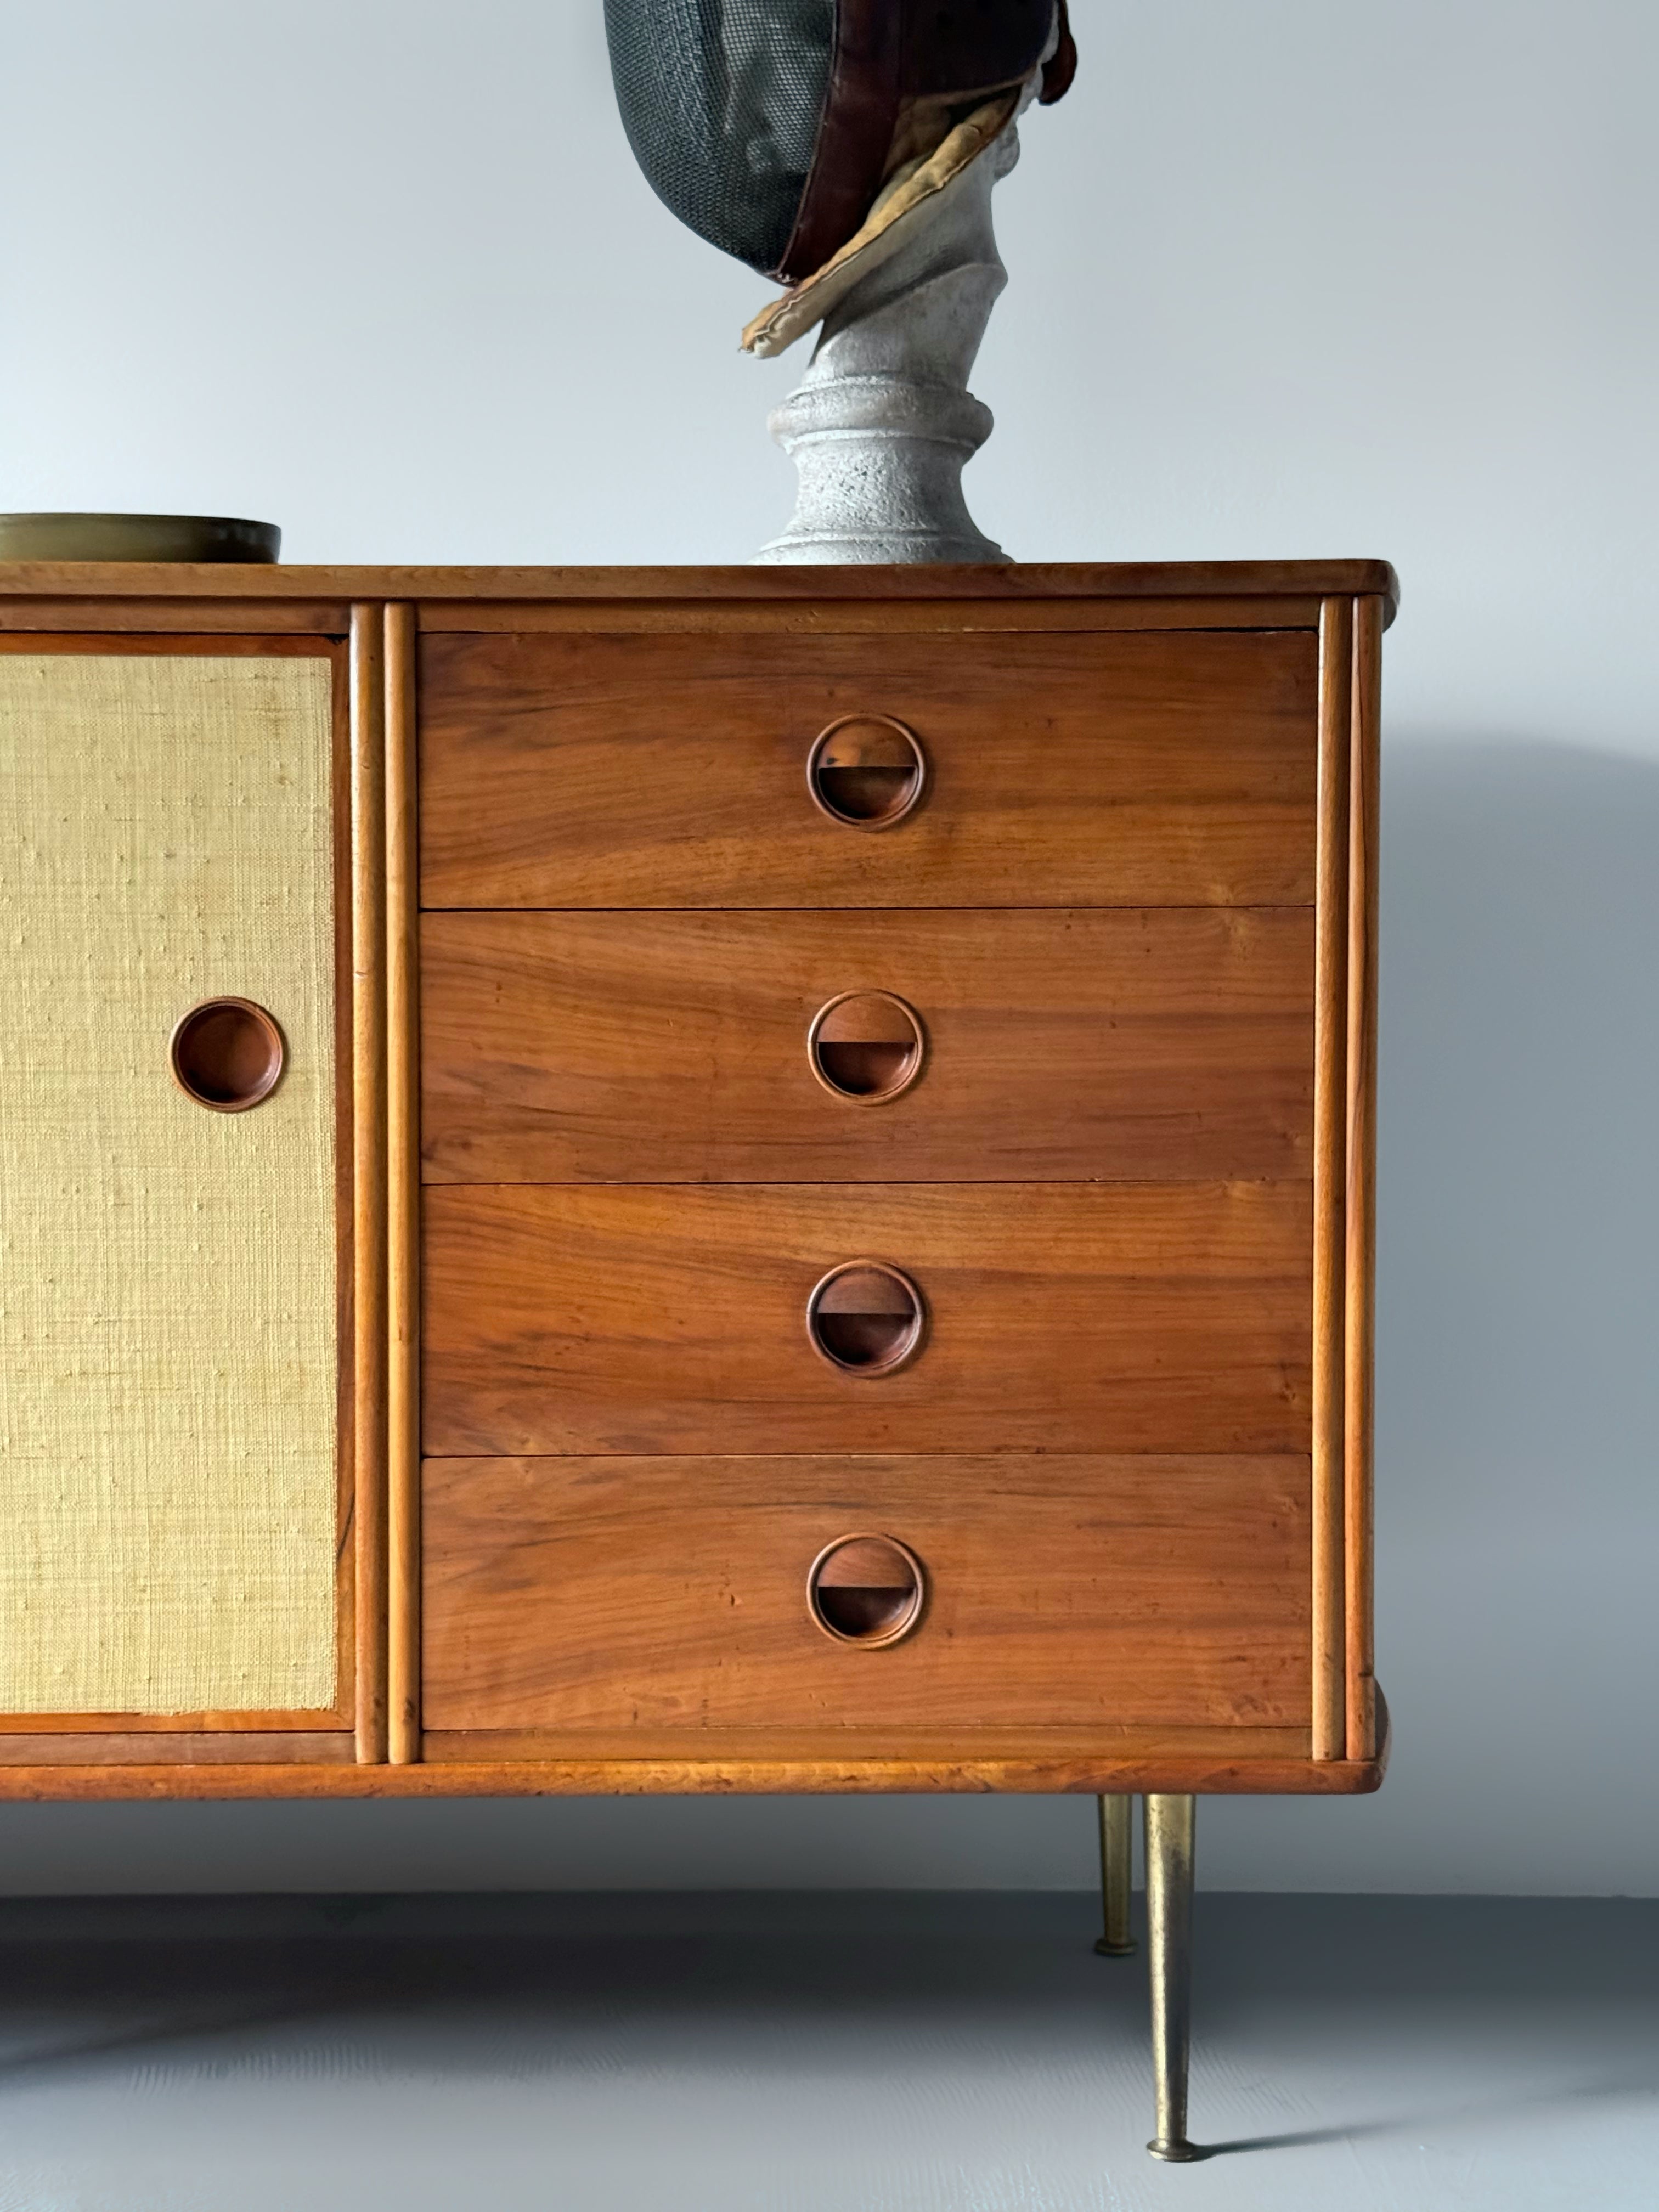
(168, 1357)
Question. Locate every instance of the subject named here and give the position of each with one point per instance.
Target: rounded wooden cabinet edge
(856, 1611)
(912, 1055)
(867, 1318)
(227, 1055)
(907, 770)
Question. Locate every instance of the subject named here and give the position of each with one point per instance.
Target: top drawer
(1111, 769)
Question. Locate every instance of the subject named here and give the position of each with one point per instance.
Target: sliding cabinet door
(175, 1144)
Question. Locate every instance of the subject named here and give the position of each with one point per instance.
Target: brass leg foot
(1169, 1824)
(1175, 2154)
(1117, 1942)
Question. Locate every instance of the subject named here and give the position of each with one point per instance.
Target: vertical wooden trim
(1359, 1331)
(345, 1286)
(368, 1162)
(1330, 1175)
(403, 1176)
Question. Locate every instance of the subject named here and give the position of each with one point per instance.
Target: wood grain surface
(1110, 770)
(403, 1198)
(346, 1256)
(733, 615)
(190, 1747)
(747, 1763)
(882, 1743)
(736, 618)
(561, 1048)
(370, 1234)
(1330, 1175)
(1063, 1317)
(247, 1723)
(672, 1593)
(1359, 1292)
(139, 586)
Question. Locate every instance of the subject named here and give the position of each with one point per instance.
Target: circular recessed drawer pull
(865, 1590)
(227, 1053)
(867, 1318)
(866, 770)
(866, 1046)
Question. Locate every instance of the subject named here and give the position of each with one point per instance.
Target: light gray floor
(818, 2054)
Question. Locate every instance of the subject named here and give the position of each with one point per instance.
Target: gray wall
(1288, 279)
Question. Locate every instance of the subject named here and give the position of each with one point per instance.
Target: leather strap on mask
(887, 51)
(861, 108)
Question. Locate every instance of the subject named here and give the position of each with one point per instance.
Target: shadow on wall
(1518, 1318)
(1518, 1517)
(1520, 1173)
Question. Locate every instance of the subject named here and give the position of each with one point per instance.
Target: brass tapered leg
(1169, 1823)
(1115, 1813)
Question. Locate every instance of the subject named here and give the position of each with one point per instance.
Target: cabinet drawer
(1061, 1317)
(1117, 769)
(618, 1594)
(599, 1047)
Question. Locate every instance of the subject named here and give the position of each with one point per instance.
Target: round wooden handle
(867, 1590)
(868, 771)
(227, 1055)
(867, 1318)
(866, 1046)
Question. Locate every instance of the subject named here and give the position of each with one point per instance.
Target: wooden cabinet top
(1271, 591)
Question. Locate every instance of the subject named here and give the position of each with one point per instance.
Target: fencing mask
(770, 126)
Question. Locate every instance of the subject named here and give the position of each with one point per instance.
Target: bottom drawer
(672, 1593)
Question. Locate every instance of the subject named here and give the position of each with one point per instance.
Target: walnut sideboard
(664, 1180)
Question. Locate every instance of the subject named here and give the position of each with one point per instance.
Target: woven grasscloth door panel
(168, 1272)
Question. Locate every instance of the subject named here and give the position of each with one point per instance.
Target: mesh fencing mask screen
(722, 101)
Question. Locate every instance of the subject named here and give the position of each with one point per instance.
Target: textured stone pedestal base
(883, 422)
